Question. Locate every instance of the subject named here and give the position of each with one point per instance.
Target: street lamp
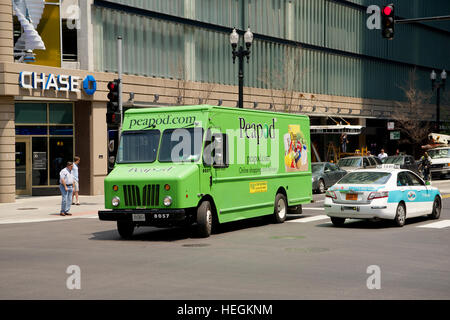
(241, 53)
(438, 85)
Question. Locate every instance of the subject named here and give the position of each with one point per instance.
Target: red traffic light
(112, 85)
(387, 10)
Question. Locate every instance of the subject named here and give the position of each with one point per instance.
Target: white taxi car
(386, 192)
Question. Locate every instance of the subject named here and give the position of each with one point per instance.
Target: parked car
(440, 161)
(358, 162)
(384, 193)
(324, 175)
(405, 162)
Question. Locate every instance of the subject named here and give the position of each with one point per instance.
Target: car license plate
(138, 217)
(351, 196)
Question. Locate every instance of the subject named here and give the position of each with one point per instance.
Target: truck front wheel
(125, 229)
(204, 219)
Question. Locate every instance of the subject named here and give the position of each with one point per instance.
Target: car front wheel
(436, 213)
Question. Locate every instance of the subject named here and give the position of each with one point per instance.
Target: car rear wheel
(437, 206)
(337, 221)
(400, 215)
(280, 209)
(321, 186)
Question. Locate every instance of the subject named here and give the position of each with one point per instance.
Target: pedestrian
(424, 165)
(344, 142)
(66, 187)
(76, 181)
(397, 152)
(382, 155)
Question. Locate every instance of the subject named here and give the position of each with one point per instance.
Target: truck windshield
(180, 145)
(439, 153)
(138, 146)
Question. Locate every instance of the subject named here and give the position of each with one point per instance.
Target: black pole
(241, 78)
(438, 109)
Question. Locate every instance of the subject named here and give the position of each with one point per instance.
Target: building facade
(315, 57)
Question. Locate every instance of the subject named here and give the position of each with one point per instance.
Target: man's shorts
(76, 186)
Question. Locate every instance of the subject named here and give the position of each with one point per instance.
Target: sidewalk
(36, 209)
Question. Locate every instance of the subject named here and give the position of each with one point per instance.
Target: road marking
(309, 208)
(309, 219)
(446, 196)
(437, 225)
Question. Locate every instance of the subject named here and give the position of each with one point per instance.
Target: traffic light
(113, 115)
(388, 21)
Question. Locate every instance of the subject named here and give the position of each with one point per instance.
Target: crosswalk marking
(309, 208)
(309, 219)
(437, 225)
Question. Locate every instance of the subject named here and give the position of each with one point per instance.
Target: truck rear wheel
(125, 229)
(280, 208)
(204, 219)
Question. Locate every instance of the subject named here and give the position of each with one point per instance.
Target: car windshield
(350, 162)
(365, 177)
(316, 167)
(179, 145)
(393, 160)
(138, 146)
(439, 153)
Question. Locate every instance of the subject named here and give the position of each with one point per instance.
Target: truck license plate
(138, 217)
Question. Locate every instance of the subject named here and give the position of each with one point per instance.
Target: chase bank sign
(33, 80)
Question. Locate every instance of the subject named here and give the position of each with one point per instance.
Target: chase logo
(411, 196)
(33, 80)
(90, 85)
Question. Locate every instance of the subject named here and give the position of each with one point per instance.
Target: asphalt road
(304, 258)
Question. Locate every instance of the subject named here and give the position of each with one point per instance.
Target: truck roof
(206, 107)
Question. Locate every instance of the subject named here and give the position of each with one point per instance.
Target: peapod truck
(207, 165)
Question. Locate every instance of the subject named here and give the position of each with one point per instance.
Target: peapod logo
(151, 123)
(257, 130)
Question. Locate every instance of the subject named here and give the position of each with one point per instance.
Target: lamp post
(438, 85)
(241, 53)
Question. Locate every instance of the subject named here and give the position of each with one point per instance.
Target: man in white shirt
(76, 185)
(382, 155)
(66, 187)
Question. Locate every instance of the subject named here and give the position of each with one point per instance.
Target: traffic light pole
(439, 18)
(119, 72)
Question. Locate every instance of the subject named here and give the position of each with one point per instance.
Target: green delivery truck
(207, 165)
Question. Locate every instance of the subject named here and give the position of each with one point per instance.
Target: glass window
(393, 160)
(31, 130)
(138, 146)
(350, 162)
(61, 130)
(69, 41)
(415, 181)
(365, 177)
(40, 161)
(61, 113)
(439, 153)
(61, 151)
(31, 113)
(372, 162)
(366, 162)
(333, 167)
(178, 145)
(316, 167)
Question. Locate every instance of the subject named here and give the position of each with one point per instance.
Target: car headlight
(115, 201)
(167, 201)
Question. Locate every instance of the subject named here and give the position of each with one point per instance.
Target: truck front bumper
(145, 217)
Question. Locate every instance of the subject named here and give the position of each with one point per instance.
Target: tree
(413, 115)
(284, 82)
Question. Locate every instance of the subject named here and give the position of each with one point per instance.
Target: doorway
(23, 166)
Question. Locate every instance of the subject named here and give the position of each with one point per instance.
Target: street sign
(390, 125)
(395, 135)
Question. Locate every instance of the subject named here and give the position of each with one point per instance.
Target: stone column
(7, 127)
(7, 150)
(99, 148)
(6, 31)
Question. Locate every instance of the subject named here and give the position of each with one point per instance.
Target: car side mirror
(427, 183)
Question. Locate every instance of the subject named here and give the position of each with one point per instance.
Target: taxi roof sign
(388, 166)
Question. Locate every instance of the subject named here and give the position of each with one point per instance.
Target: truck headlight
(115, 201)
(167, 201)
